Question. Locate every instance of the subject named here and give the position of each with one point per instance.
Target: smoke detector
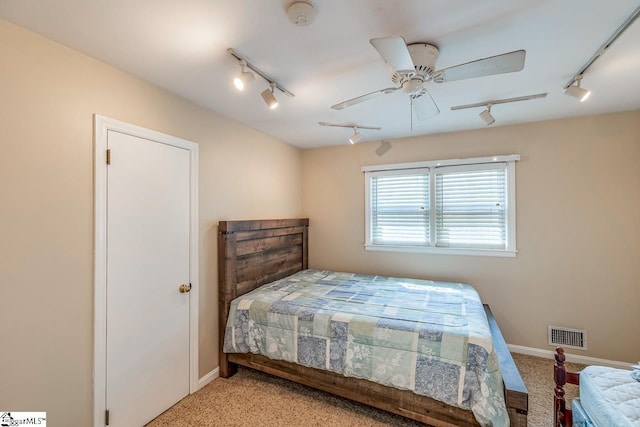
(301, 13)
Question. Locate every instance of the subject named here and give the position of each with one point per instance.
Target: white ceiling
(182, 46)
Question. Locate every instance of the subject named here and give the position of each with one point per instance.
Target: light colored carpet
(251, 398)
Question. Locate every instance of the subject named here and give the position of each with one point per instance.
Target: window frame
(433, 166)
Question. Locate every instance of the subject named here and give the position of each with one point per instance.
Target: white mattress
(610, 396)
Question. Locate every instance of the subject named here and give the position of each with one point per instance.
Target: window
(448, 206)
(400, 207)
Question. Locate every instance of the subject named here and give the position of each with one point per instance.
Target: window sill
(442, 251)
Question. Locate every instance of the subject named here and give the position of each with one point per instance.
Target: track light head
(241, 81)
(577, 91)
(486, 116)
(383, 148)
(245, 77)
(268, 96)
(356, 136)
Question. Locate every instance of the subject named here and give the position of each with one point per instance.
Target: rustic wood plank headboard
(252, 253)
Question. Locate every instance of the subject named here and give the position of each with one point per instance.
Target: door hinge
(108, 156)
(106, 417)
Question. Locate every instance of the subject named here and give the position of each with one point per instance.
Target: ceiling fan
(413, 65)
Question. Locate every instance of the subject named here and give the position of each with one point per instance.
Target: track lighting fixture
(247, 76)
(268, 96)
(244, 77)
(573, 87)
(577, 91)
(356, 136)
(383, 148)
(486, 115)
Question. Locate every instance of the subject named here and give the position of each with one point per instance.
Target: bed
(259, 252)
(608, 396)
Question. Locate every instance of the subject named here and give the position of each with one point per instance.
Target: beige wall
(48, 95)
(578, 226)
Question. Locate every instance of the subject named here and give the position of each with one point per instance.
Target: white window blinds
(471, 206)
(457, 206)
(400, 208)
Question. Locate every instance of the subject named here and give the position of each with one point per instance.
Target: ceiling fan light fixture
(412, 86)
(357, 136)
(245, 77)
(577, 91)
(269, 97)
(486, 116)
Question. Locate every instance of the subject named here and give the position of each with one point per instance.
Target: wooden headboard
(252, 253)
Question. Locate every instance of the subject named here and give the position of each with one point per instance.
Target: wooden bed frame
(562, 416)
(252, 253)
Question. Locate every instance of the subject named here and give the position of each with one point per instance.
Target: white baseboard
(208, 378)
(575, 358)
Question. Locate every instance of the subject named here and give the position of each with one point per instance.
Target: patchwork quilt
(429, 337)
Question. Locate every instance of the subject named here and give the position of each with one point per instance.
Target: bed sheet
(429, 337)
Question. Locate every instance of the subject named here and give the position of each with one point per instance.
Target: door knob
(185, 288)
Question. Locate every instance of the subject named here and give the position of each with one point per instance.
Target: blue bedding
(610, 397)
(432, 338)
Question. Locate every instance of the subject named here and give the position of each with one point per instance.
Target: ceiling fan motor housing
(424, 58)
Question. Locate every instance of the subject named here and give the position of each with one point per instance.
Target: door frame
(101, 127)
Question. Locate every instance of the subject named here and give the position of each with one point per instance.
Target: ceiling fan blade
(424, 106)
(395, 53)
(362, 98)
(499, 64)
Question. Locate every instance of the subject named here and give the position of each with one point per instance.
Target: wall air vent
(567, 337)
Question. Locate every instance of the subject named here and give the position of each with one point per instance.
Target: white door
(147, 239)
